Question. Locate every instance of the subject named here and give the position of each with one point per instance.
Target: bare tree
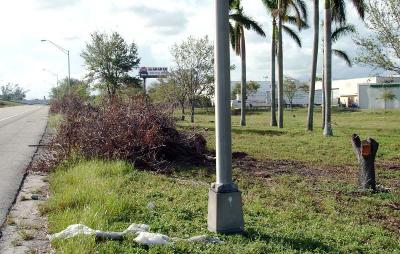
(194, 68)
(381, 49)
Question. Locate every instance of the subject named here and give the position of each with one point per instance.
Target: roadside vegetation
(126, 155)
(4, 104)
(302, 200)
(300, 189)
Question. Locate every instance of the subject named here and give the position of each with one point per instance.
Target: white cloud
(154, 25)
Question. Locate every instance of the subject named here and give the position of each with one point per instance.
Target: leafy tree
(76, 86)
(251, 88)
(193, 72)
(12, 92)
(291, 87)
(388, 96)
(167, 92)
(241, 22)
(294, 12)
(381, 47)
(109, 59)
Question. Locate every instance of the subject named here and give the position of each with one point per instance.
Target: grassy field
(293, 142)
(285, 212)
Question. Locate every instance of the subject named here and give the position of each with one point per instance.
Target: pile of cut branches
(135, 130)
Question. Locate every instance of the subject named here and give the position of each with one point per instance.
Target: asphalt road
(20, 127)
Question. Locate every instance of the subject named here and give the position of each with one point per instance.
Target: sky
(153, 25)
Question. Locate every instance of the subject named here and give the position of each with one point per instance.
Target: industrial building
(363, 93)
(366, 93)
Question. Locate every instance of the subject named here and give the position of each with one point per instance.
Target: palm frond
(339, 11)
(342, 31)
(360, 7)
(232, 36)
(292, 34)
(301, 24)
(303, 7)
(248, 23)
(270, 5)
(342, 55)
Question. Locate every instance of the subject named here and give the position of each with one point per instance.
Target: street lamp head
(43, 40)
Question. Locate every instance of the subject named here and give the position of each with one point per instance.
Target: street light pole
(225, 214)
(65, 51)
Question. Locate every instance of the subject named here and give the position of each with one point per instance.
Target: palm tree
(300, 13)
(238, 42)
(334, 10)
(337, 13)
(310, 114)
(341, 31)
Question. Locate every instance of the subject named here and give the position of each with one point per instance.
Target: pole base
(225, 214)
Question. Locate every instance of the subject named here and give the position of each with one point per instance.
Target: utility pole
(65, 51)
(225, 214)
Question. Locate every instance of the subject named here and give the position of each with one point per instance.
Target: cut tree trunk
(365, 152)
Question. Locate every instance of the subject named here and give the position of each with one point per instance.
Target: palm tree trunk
(310, 115)
(280, 67)
(273, 83)
(323, 106)
(243, 87)
(328, 68)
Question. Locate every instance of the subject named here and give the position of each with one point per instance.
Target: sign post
(225, 214)
(152, 72)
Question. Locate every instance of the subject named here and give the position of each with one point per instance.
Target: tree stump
(365, 152)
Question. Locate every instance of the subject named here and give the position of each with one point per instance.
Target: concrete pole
(222, 95)
(225, 214)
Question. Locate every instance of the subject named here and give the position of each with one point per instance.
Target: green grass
(4, 104)
(262, 141)
(286, 213)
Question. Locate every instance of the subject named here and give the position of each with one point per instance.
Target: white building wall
(370, 97)
(263, 96)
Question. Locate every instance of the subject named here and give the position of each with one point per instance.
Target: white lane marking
(1, 120)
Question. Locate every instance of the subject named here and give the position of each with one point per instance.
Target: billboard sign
(153, 72)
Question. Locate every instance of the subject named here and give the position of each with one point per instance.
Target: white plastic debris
(71, 231)
(144, 237)
(151, 239)
(205, 239)
(151, 206)
(136, 228)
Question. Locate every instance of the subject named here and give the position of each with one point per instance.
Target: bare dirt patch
(269, 168)
(25, 230)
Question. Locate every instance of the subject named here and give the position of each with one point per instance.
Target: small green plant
(27, 235)
(16, 242)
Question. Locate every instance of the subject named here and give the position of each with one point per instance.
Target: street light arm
(51, 72)
(65, 51)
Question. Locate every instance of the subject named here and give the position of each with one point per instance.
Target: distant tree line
(12, 92)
